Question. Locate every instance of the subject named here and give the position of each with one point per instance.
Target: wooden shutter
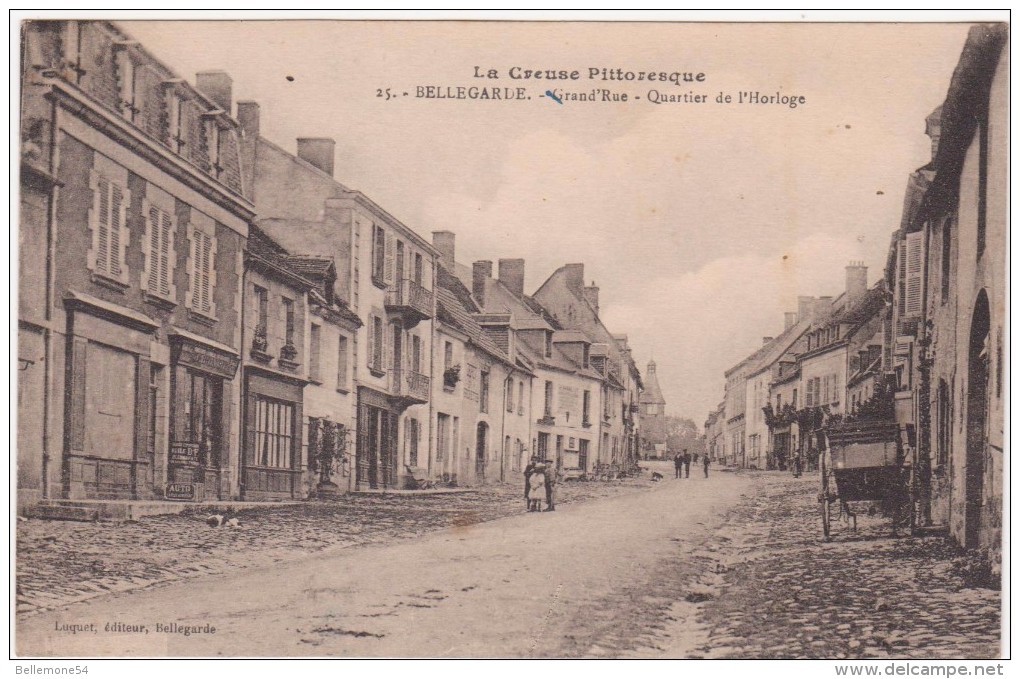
(389, 266)
(914, 274)
(371, 342)
(155, 237)
(166, 245)
(103, 225)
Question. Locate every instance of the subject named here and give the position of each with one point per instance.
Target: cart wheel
(826, 516)
(823, 499)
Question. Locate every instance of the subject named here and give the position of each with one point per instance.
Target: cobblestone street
(766, 586)
(62, 562)
(732, 567)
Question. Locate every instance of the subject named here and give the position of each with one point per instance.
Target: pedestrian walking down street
(704, 463)
(687, 464)
(551, 478)
(797, 467)
(678, 463)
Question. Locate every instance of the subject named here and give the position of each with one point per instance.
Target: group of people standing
(682, 463)
(540, 479)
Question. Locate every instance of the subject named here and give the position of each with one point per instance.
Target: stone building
(385, 276)
(575, 306)
(486, 391)
(566, 403)
(134, 218)
(947, 270)
(652, 416)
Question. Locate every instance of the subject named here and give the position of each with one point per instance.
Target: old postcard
(317, 317)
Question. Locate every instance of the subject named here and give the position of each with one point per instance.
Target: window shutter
(154, 259)
(117, 214)
(103, 224)
(914, 273)
(165, 248)
(387, 347)
(371, 341)
(391, 247)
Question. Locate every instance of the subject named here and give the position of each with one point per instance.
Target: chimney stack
(856, 282)
(575, 277)
(481, 271)
(317, 151)
(218, 86)
(823, 305)
(511, 275)
(445, 242)
(805, 307)
(591, 293)
(789, 319)
(248, 116)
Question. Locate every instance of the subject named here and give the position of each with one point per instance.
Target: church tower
(652, 422)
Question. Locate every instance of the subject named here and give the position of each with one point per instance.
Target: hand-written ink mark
(549, 93)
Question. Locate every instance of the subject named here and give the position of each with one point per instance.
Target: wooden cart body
(864, 461)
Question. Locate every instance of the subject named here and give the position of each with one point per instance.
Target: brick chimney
(822, 307)
(481, 271)
(575, 277)
(591, 293)
(249, 116)
(805, 307)
(318, 151)
(789, 319)
(445, 242)
(856, 282)
(218, 86)
(511, 275)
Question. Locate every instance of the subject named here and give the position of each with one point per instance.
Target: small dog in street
(218, 520)
(656, 476)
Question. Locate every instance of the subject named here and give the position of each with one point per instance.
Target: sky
(700, 223)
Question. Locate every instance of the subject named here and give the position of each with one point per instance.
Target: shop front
(271, 463)
(202, 373)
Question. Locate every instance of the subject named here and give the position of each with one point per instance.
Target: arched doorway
(481, 441)
(978, 358)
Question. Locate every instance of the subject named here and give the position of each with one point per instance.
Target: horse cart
(866, 462)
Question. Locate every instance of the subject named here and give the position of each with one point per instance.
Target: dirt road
(515, 587)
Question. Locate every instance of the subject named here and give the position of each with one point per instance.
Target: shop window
(203, 415)
(272, 431)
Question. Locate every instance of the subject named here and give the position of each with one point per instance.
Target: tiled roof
(452, 312)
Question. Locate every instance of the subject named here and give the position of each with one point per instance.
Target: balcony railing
(412, 301)
(410, 386)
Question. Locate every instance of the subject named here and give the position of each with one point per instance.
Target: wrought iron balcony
(412, 302)
(410, 387)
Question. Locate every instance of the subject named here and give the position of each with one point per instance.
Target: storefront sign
(185, 454)
(180, 491)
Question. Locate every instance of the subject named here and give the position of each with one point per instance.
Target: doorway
(480, 445)
(978, 359)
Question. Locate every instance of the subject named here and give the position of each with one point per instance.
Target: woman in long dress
(536, 489)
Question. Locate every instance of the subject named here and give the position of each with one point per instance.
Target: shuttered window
(378, 254)
(159, 246)
(109, 227)
(203, 274)
(914, 274)
(314, 347)
(341, 367)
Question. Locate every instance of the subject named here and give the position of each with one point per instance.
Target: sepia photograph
(465, 337)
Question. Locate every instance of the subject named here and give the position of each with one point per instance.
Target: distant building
(652, 424)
